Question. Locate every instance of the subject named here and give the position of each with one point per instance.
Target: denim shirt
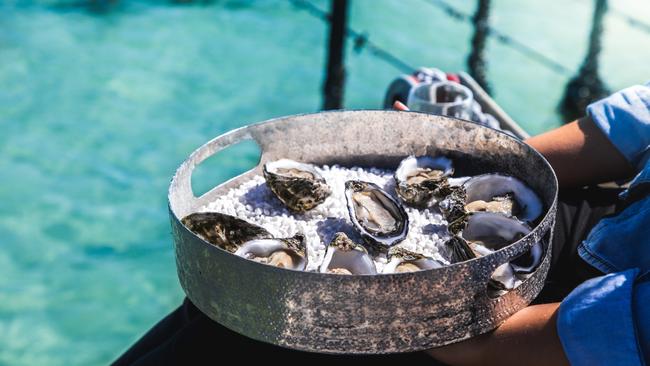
(606, 320)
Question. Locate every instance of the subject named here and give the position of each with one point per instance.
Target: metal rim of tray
(357, 314)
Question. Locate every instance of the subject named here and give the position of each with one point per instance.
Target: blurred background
(101, 101)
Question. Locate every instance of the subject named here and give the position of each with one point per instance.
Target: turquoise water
(98, 109)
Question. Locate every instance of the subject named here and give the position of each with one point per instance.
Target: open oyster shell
(503, 278)
(418, 177)
(344, 256)
(299, 186)
(224, 231)
(401, 260)
(487, 232)
(380, 218)
(288, 253)
(502, 194)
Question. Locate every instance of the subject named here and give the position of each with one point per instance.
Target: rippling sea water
(98, 109)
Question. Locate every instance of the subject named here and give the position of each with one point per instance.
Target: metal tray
(360, 314)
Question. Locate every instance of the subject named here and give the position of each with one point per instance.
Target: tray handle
(181, 196)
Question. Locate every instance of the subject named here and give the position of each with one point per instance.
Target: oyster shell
(459, 249)
(418, 178)
(493, 231)
(401, 260)
(503, 194)
(453, 207)
(284, 253)
(344, 256)
(224, 231)
(299, 186)
(381, 220)
(487, 232)
(503, 278)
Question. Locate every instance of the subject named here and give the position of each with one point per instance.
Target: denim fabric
(606, 320)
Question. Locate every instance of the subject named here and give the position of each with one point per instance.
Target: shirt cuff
(624, 117)
(596, 325)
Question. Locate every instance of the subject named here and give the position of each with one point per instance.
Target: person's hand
(400, 106)
(529, 337)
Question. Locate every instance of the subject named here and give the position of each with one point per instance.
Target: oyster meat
(503, 194)
(224, 231)
(401, 260)
(418, 178)
(299, 186)
(381, 220)
(290, 253)
(344, 256)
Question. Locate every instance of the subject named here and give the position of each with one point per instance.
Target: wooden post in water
(334, 86)
(476, 58)
(587, 86)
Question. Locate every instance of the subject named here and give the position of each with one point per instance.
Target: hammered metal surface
(360, 314)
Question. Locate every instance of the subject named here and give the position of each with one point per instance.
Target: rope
(360, 40)
(503, 38)
(634, 22)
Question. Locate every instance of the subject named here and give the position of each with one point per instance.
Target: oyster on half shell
(418, 177)
(502, 194)
(494, 231)
(298, 185)
(344, 256)
(401, 260)
(380, 218)
(487, 232)
(224, 231)
(290, 253)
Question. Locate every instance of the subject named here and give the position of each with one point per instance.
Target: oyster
(418, 178)
(401, 260)
(493, 230)
(453, 207)
(299, 186)
(502, 194)
(284, 253)
(503, 278)
(487, 232)
(380, 219)
(224, 231)
(459, 249)
(343, 256)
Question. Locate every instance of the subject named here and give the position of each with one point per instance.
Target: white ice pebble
(253, 201)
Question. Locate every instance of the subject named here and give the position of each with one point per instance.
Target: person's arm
(581, 154)
(527, 338)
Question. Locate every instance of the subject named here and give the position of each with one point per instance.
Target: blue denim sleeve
(596, 322)
(625, 118)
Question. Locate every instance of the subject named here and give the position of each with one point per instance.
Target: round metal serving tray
(360, 314)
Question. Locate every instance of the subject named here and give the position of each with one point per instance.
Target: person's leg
(162, 332)
(579, 210)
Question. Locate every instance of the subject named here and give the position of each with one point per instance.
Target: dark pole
(476, 59)
(587, 86)
(335, 78)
